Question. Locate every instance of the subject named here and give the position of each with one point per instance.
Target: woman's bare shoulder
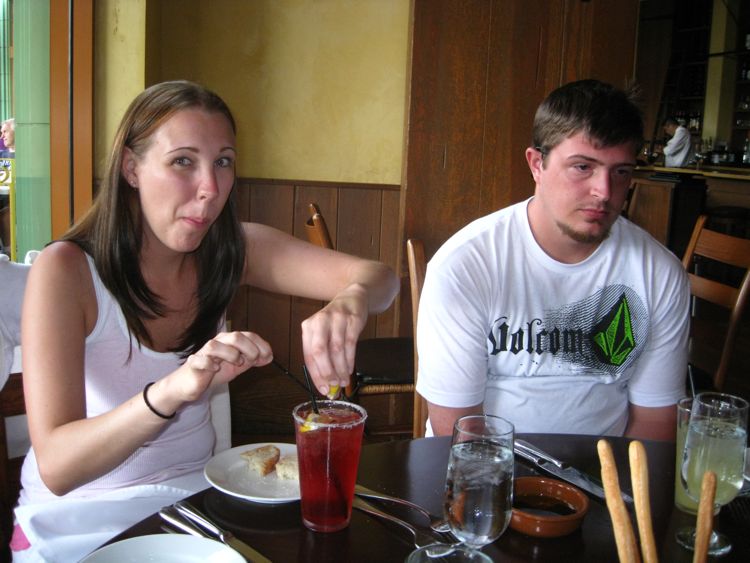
(61, 276)
(62, 252)
(63, 262)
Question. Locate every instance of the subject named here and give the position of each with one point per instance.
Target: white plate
(165, 548)
(231, 474)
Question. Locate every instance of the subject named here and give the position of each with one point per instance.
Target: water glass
(479, 484)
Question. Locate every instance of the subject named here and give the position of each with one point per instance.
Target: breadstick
(639, 481)
(627, 549)
(705, 522)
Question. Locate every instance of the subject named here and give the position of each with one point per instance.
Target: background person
(556, 313)
(7, 130)
(677, 151)
(8, 134)
(122, 325)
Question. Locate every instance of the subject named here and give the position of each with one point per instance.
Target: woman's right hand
(220, 360)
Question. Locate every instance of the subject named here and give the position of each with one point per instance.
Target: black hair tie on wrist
(151, 407)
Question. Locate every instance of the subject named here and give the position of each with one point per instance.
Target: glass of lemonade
(478, 488)
(716, 441)
(682, 500)
(328, 446)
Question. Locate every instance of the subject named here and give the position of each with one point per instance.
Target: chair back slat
(417, 269)
(715, 292)
(723, 248)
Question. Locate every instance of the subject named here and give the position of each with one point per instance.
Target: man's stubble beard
(585, 238)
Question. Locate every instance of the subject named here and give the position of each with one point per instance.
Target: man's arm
(442, 419)
(652, 423)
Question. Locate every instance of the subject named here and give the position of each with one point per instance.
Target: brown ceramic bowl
(547, 508)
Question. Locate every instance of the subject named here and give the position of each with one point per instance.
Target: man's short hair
(670, 121)
(606, 115)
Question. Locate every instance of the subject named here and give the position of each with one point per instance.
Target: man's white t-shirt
(553, 347)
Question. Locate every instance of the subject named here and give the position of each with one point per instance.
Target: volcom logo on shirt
(599, 333)
(613, 337)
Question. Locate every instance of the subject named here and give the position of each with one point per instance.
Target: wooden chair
(316, 228)
(713, 334)
(383, 366)
(417, 267)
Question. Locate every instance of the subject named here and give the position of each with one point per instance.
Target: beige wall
(317, 86)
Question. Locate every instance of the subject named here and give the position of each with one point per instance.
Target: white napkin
(66, 530)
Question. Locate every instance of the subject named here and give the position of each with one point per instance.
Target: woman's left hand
(329, 338)
(224, 357)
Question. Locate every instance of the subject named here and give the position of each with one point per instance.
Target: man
(677, 151)
(556, 313)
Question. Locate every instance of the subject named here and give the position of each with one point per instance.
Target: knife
(561, 469)
(225, 536)
(170, 515)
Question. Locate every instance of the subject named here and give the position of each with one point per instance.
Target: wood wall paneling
(519, 77)
(446, 124)
(613, 26)
(387, 323)
(358, 226)
(478, 72)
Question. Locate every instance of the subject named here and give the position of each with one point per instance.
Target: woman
(121, 321)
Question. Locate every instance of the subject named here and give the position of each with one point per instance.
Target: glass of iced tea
(328, 445)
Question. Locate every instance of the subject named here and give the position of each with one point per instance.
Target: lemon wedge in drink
(313, 420)
(309, 423)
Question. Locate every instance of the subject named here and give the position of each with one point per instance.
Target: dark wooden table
(415, 470)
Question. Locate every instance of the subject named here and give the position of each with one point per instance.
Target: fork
(421, 539)
(437, 524)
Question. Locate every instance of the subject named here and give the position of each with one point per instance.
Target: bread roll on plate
(288, 468)
(262, 459)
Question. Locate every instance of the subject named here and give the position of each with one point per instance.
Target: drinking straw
(690, 378)
(278, 365)
(310, 388)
